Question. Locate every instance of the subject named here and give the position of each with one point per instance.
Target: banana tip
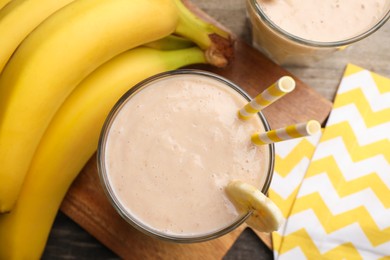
(221, 52)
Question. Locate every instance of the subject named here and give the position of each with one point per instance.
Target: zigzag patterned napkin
(342, 208)
(291, 162)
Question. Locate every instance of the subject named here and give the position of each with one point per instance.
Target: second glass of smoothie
(169, 148)
(301, 32)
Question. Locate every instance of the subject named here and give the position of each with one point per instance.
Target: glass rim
(115, 202)
(256, 6)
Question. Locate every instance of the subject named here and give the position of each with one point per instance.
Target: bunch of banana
(64, 49)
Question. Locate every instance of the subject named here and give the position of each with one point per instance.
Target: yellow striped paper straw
(293, 131)
(277, 90)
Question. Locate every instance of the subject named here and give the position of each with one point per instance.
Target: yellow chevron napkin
(342, 207)
(292, 159)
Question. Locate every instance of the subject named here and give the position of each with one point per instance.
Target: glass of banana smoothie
(169, 148)
(301, 32)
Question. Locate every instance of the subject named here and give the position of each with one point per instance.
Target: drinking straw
(277, 90)
(293, 131)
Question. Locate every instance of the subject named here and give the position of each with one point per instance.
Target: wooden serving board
(87, 204)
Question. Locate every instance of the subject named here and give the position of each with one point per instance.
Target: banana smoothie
(171, 149)
(302, 31)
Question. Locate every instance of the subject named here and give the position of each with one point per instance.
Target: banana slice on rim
(265, 217)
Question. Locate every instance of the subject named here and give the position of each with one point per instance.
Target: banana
(71, 139)
(19, 18)
(4, 3)
(265, 215)
(63, 50)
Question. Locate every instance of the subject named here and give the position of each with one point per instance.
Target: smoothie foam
(325, 21)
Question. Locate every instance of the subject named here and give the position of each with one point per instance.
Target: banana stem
(217, 43)
(180, 58)
(171, 42)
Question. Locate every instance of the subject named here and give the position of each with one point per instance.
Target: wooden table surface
(68, 241)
